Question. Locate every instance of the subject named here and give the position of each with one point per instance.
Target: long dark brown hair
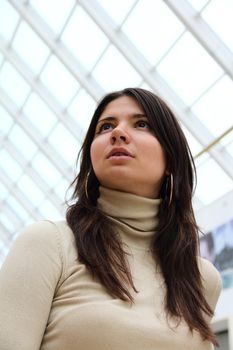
(175, 242)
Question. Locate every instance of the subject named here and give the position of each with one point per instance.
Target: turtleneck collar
(135, 215)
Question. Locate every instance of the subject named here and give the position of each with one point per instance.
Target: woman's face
(125, 154)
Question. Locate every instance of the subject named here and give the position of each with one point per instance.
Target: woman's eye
(105, 127)
(143, 124)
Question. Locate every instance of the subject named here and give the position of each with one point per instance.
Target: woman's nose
(119, 135)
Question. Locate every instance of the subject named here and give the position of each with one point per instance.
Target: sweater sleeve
(28, 280)
(212, 282)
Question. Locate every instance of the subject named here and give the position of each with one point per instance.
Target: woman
(123, 271)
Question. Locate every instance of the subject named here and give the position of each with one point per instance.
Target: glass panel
(114, 72)
(189, 69)
(218, 14)
(45, 169)
(1, 56)
(227, 141)
(22, 142)
(49, 211)
(147, 27)
(144, 85)
(30, 47)
(39, 114)
(6, 121)
(18, 208)
(82, 109)
(86, 47)
(30, 190)
(230, 149)
(8, 19)
(194, 145)
(9, 165)
(66, 145)
(9, 226)
(215, 108)
(117, 9)
(61, 188)
(197, 204)
(3, 191)
(59, 80)
(14, 85)
(198, 4)
(212, 182)
(55, 14)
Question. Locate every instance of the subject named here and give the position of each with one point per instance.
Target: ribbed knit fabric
(49, 301)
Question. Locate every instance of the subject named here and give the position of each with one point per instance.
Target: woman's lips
(119, 153)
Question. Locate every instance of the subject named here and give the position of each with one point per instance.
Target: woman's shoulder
(48, 241)
(208, 271)
(211, 280)
(53, 238)
(46, 230)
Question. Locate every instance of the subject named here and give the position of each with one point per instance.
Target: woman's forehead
(123, 105)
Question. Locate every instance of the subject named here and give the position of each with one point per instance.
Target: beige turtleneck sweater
(49, 301)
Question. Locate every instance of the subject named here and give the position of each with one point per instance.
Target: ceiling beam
(197, 26)
(58, 48)
(38, 87)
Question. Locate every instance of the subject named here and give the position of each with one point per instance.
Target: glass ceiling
(58, 58)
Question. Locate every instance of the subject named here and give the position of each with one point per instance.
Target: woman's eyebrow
(132, 116)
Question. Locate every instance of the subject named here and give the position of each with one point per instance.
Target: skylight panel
(229, 148)
(1, 58)
(40, 114)
(215, 108)
(82, 109)
(45, 169)
(218, 14)
(61, 189)
(110, 76)
(8, 224)
(22, 142)
(196, 203)
(17, 208)
(3, 192)
(212, 181)
(59, 80)
(65, 143)
(6, 121)
(198, 4)
(84, 38)
(147, 27)
(49, 211)
(30, 47)
(30, 190)
(8, 19)
(10, 166)
(189, 69)
(117, 9)
(227, 142)
(144, 85)
(54, 13)
(193, 143)
(13, 84)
